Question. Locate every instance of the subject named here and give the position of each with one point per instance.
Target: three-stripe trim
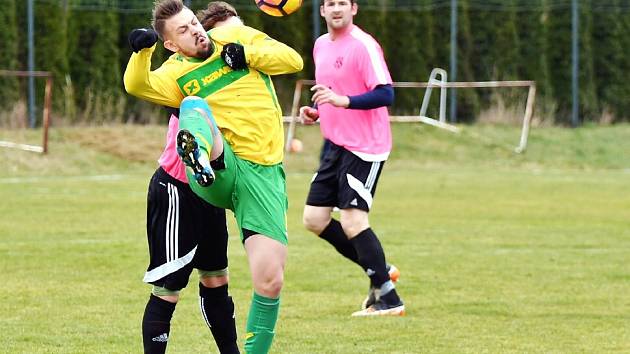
(365, 189)
(172, 224)
(171, 239)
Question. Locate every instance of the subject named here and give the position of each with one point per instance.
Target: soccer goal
(434, 82)
(45, 123)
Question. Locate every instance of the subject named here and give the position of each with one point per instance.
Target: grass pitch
(498, 252)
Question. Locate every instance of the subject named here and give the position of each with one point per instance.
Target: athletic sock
(371, 256)
(391, 296)
(333, 233)
(156, 325)
(191, 120)
(261, 323)
(217, 309)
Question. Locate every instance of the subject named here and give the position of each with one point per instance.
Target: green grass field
(498, 252)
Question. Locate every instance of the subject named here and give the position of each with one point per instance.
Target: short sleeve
(370, 59)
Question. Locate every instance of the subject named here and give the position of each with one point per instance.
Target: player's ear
(168, 44)
(355, 8)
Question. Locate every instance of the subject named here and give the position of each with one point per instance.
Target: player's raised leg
(198, 140)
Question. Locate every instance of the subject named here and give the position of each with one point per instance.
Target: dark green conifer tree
(9, 86)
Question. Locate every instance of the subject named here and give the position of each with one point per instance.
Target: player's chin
(337, 23)
(202, 46)
(204, 52)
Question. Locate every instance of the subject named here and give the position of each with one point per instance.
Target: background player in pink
(352, 93)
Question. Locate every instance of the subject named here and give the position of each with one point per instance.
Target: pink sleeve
(372, 63)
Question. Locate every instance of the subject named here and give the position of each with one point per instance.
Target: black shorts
(184, 232)
(345, 181)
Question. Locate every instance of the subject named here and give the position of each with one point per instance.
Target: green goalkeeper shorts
(255, 193)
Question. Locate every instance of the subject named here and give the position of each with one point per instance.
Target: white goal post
(46, 111)
(433, 83)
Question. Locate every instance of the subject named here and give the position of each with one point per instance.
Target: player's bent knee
(171, 296)
(315, 223)
(270, 286)
(214, 281)
(191, 98)
(194, 102)
(353, 227)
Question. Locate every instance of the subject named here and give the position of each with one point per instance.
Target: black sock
(333, 233)
(391, 297)
(156, 325)
(217, 309)
(371, 256)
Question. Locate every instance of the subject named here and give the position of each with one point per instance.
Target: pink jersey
(351, 65)
(169, 160)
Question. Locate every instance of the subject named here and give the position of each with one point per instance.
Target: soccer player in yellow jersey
(235, 149)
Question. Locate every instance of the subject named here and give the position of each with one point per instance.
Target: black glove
(141, 38)
(234, 56)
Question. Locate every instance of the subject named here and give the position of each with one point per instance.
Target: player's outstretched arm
(268, 55)
(138, 78)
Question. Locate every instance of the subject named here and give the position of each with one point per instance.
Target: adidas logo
(354, 202)
(370, 272)
(161, 338)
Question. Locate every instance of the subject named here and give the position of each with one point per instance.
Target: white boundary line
(16, 180)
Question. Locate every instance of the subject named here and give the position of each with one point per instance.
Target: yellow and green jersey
(243, 102)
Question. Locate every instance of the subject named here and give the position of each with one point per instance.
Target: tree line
(86, 49)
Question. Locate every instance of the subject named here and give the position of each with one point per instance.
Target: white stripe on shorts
(167, 234)
(358, 187)
(172, 224)
(176, 229)
(369, 183)
(169, 267)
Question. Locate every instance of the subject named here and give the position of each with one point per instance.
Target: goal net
(19, 129)
(437, 81)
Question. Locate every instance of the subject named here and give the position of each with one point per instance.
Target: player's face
(184, 34)
(338, 13)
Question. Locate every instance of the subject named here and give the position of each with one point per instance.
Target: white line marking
(38, 179)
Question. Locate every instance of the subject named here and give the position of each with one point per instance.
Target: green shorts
(257, 194)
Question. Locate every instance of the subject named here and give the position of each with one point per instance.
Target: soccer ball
(296, 145)
(278, 8)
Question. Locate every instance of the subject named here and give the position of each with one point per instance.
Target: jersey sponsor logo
(209, 78)
(191, 87)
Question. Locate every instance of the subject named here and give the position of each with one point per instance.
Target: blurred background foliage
(84, 44)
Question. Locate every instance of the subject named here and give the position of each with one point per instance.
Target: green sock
(260, 324)
(196, 123)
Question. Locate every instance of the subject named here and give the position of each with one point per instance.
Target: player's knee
(191, 99)
(213, 281)
(165, 294)
(193, 102)
(315, 223)
(353, 227)
(270, 285)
